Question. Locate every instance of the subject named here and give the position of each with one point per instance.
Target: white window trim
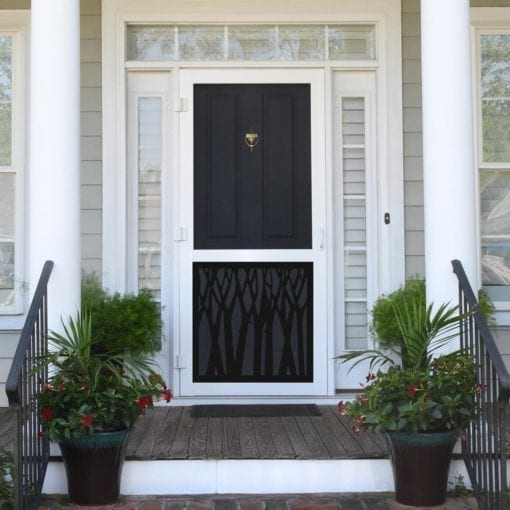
(16, 24)
(486, 20)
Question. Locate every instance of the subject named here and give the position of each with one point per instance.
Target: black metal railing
(485, 449)
(31, 447)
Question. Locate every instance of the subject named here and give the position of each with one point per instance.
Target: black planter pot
(420, 465)
(94, 466)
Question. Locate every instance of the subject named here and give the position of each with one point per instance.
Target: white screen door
(253, 284)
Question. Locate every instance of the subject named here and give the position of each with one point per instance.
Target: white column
(54, 177)
(448, 157)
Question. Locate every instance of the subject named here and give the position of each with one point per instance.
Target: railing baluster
(31, 453)
(485, 450)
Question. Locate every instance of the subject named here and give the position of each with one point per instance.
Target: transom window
(251, 42)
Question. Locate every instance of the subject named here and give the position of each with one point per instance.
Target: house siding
(413, 154)
(91, 136)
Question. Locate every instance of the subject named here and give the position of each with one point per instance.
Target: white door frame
(322, 338)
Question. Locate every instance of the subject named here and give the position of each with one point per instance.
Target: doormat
(254, 411)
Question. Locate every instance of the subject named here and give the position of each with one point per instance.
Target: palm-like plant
(423, 331)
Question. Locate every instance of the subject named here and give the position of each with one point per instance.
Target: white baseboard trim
(176, 477)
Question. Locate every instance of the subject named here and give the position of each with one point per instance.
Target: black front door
(252, 195)
(252, 321)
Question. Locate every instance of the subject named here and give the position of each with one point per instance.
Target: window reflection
(495, 227)
(495, 88)
(250, 42)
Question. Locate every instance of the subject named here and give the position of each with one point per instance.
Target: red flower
(40, 434)
(341, 407)
(47, 413)
(370, 377)
(479, 388)
(360, 420)
(144, 402)
(411, 389)
(87, 420)
(362, 399)
(167, 395)
(355, 430)
(48, 388)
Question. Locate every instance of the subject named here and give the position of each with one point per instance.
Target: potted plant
(420, 404)
(89, 406)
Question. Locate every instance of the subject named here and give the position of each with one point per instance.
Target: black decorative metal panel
(253, 322)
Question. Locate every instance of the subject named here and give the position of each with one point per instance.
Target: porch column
(448, 154)
(54, 178)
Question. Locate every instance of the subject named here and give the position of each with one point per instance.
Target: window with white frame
(11, 167)
(250, 42)
(494, 159)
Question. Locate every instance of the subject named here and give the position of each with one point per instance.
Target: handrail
(31, 446)
(484, 451)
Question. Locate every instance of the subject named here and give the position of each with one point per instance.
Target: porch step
(172, 453)
(249, 476)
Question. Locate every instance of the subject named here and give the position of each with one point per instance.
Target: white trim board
(175, 477)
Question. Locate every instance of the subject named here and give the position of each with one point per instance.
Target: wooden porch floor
(171, 433)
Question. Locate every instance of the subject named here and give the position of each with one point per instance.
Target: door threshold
(241, 400)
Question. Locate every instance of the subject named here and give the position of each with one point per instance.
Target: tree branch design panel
(253, 322)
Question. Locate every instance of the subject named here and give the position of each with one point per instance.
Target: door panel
(253, 322)
(258, 197)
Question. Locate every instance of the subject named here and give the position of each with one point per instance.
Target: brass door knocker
(251, 139)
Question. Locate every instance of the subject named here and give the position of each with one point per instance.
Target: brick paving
(260, 502)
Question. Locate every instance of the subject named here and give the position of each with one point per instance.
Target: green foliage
(93, 392)
(458, 488)
(410, 400)
(6, 481)
(422, 330)
(487, 307)
(384, 326)
(121, 323)
(405, 326)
